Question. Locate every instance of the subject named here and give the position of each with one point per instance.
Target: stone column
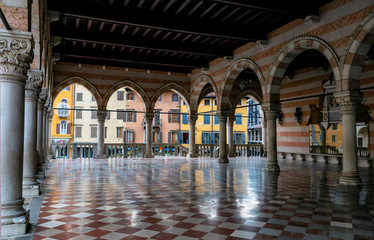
(45, 131)
(222, 115)
(271, 109)
(15, 56)
(30, 154)
(348, 102)
(230, 126)
(148, 147)
(192, 151)
(101, 116)
(49, 132)
(40, 132)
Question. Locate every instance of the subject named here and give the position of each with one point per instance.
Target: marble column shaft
(148, 148)
(49, 132)
(348, 102)
(271, 109)
(40, 132)
(230, 126)
(101, 116)
(30, 154)
(192, 136)
(15, 56)
(222, 116)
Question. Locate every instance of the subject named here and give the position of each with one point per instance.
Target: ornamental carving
(149, 117)
(271, 109)
(192, 118)
(101, 116)
(15, 52)
(348, 101)
(42, 96)
(33, 84)
(222, 115)
(232, 119)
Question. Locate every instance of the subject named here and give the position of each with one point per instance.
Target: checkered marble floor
(178, 198)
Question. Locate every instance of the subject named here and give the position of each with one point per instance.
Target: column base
(272, 167)
(40, 174)
(223, 159)
(100, 156)
(14, 218)
(193, 155)
(29, 191)
(350, 178)
(13, 229)
(149, 155)
(232, 154)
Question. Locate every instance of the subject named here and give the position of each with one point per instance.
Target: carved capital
(222, 115)
(33, 84)
(192, 118)
(348, 101)
(50, 113)
(101, 116)
(271, 109)
(15, 52)
(232, 118)
(42, 96)
(149, 117)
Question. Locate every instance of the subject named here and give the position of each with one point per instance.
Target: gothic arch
(233, 72)
(357, 48)
(171, 87)
(81, 81)
(288, 53)
(243, 94)
(127, 83)
(196, 89)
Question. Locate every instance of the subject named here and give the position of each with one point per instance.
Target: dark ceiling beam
(250, 35)
(142, 47)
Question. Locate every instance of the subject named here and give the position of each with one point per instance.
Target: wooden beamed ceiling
(166, 35)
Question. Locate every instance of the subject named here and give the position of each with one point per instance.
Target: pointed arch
(358, 47)
(171, 87)
(78, 80)
(130, 84)
(233, 72)
(196, 89)
(288, 53)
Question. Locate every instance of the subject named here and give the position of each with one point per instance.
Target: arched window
(63, 127)
(63, 106)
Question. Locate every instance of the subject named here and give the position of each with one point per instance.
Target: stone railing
(74, 150)
(241, 150)
(207, 150)
(169, 149)
(324, 149)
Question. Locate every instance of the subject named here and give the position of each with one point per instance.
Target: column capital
(192, 118)
(50, 112)
(33, 84)
(42, 96)
(271, 109)
(101, 116)
(15, 52)
(149, 117)
(222, 115)
(348, 100)
(232, 118)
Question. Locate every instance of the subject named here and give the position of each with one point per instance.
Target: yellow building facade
(63, 120)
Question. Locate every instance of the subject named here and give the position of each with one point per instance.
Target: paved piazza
(178, 198)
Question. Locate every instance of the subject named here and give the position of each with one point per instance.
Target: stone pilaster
(271, 109)
(15, 56)
(148, 147)
(222, 116)
(30, 154)
(101, 116)
(40, 132)
(348, 102)
(192, 118)
(230, 126)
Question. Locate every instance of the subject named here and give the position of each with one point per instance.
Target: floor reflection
(177, 198)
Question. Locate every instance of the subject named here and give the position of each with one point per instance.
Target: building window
(130, 96)
(93, 132)
(206, 119)
(334, 126)
(174, 116)
(120, 114)
(216, 119)
(215, 102)
(78, 114)
(79, 97)
(63, 111)
(131, 116)
(78, 132)
(210, 138)
(205, 139)
(157, 137)
(119, 132)
(129, 136)
(184, 118)
(105, 132)
(240, 102)
(239, 138)
(333, 138)
(94, 114)
(160, 98)
(238, 119)
(173, 137)
(174, 97)
(206, 102)
(120, 95)
(157, 119)
(63, 127)
(253, 113)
